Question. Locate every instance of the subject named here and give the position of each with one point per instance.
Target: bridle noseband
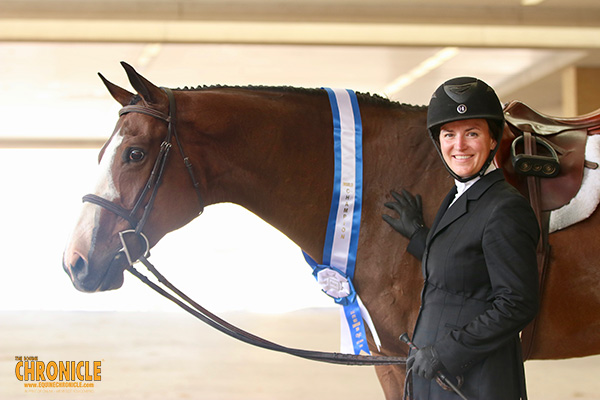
(153, 182)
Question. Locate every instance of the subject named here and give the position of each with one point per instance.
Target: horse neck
(270, 152)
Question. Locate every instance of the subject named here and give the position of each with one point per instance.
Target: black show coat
(481, 289)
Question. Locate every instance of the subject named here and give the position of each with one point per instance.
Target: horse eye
(135, 155)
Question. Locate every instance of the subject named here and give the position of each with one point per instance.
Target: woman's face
(466, 145)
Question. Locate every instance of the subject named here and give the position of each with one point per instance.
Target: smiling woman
(41, 200)
(466, 145)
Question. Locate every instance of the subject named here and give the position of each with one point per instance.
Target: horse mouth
(85, 280)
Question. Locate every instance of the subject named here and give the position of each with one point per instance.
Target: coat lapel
(446, 215)
(442, 210)
(453, 213)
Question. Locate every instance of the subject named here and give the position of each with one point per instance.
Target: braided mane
(367, 98)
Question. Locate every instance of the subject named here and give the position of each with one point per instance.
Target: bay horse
(270, 150)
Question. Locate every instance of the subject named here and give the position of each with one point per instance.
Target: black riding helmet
(465, 98)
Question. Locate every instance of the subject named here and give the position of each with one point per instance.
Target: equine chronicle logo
(64, 376)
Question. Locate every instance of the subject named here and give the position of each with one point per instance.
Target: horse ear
(118, 93)
(149, 92)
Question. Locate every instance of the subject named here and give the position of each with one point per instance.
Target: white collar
(462, 187)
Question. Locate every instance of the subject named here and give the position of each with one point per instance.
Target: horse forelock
(135, 99)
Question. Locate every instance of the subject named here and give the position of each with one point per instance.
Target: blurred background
(55, 114)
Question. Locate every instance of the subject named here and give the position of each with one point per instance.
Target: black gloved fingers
(427, 363)
(410, 214)
(419, 202)
(414, 201)
(390, 204)
(394, 206)
(394, 222)
(388, 219)
(401, 198)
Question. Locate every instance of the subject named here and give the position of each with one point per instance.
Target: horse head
(116, 225)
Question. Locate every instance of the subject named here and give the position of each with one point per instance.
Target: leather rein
(178, 297)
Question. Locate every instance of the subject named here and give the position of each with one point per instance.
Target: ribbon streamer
(341, 241)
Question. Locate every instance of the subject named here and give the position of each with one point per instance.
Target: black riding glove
(410, 213)
(425, 363)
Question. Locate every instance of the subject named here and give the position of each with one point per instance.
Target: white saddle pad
(588, 197)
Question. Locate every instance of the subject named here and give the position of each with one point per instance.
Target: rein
(177, 296)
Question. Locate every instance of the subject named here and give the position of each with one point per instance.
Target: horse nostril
(78, 265)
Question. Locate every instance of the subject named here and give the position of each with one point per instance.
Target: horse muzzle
(91, 277)
(86, 273)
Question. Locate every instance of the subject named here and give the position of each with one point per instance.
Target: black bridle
(183, 300)
(154, 180)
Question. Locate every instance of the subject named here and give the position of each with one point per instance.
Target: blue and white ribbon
(341, 241)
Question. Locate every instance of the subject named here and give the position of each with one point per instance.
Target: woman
(478, 258)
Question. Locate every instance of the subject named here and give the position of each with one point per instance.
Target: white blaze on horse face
(82, 239)
(105, 185)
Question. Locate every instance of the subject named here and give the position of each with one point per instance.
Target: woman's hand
(410, 213)
(425, 363)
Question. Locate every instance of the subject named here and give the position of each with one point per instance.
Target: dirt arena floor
(172, 356)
